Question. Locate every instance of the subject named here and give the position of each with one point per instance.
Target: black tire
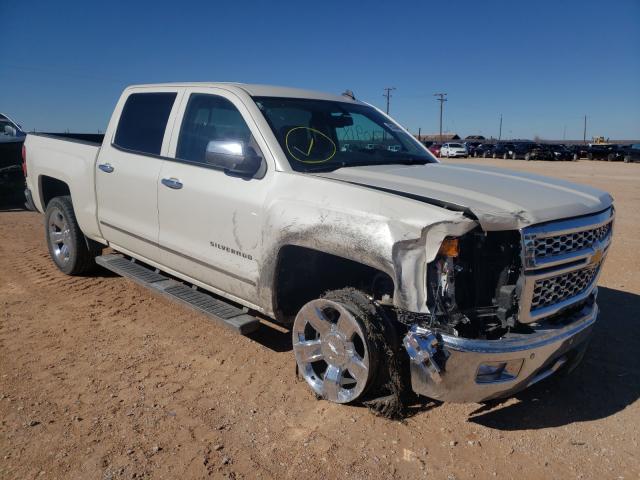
(590, 156)
(380, 348)
(74, 254)
(386, 390)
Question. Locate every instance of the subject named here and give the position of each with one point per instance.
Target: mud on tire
(384, 391)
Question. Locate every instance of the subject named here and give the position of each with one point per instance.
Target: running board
(222, 312)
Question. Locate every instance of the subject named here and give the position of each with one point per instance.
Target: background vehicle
(578, 151)
(522, 150)
(11, 175)
(471, 147)
(598, 151)
(560, 152)
(386, 264)
(453, 150)
(482, 149)
(617, 153)
(501, 150)
(632, 153)
(435, 149)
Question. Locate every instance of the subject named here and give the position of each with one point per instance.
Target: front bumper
(452, 369)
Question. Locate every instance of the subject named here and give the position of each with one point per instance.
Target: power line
(441, 99)
(387, 93)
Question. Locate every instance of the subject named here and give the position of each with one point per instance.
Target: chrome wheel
(59, 236)
(331, 351)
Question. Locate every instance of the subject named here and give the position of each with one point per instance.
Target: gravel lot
(101, 379)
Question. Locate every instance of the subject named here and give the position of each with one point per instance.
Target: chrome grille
(570, 242)
(561, 263)
(550, 291)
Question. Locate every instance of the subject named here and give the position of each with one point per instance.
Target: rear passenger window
(207, 118)
(143, 122)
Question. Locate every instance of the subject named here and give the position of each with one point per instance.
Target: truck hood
(499, 199)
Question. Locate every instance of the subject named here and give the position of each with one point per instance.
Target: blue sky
(542, 64)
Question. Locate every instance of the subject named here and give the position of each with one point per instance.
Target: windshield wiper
(336, 165)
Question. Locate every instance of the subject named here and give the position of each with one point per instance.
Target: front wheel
(70, 250)
(339, 342)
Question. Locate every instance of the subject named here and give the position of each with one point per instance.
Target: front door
(210, 222)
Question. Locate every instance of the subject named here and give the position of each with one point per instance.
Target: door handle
(172, 183)
(106, 167)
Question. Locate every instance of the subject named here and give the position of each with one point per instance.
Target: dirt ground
(101, 379)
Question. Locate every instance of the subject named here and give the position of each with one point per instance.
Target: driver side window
(206, 118)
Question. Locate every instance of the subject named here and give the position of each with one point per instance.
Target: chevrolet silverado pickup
(320, 212)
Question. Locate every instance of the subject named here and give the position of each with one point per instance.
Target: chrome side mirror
(235, 157)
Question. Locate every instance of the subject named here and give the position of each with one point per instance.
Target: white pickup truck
(394, 271)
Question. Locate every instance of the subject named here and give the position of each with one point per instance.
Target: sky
(542, 65)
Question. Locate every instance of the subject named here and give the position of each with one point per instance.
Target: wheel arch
(302, 273)
(51, 187)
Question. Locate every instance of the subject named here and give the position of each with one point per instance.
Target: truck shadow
(607, 381)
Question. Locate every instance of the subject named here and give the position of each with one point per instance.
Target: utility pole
(387, 93)
(584, 133)
(500, 131)
(419, 134)
(441, 99)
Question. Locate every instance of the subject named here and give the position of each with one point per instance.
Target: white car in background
(453, 150)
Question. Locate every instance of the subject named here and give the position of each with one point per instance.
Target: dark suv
(523, 150)
(501, 150)
(598, 152)
(617, 153)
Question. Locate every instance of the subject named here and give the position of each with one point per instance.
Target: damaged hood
(500, 199)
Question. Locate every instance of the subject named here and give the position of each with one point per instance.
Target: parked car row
(529, 150)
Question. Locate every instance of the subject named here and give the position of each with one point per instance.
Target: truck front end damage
(506, 309)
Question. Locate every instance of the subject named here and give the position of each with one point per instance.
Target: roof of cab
(256, 90)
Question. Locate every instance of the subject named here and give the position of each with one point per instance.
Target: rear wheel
(70, 250)
(339, 342)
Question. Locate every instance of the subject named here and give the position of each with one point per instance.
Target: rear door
(210, 221)
(128, 171)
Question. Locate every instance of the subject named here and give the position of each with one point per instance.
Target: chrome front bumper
(454, 369)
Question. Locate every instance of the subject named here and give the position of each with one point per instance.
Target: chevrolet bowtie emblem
(596, 257)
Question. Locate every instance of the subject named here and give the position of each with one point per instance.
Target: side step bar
(222, 312)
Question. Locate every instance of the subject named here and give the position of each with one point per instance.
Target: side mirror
(234, 157)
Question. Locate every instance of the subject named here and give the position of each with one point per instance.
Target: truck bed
(69, 158)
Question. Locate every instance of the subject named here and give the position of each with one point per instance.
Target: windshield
(456, 145)
(321, 135)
